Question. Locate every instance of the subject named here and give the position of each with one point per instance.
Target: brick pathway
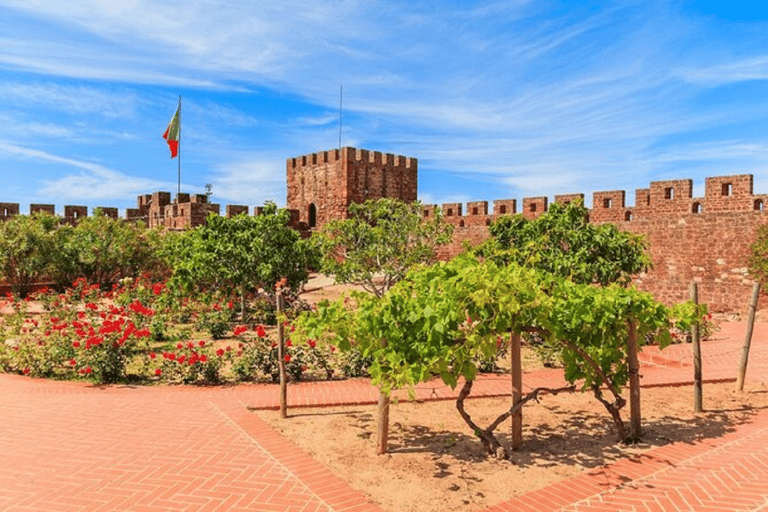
(70, 446)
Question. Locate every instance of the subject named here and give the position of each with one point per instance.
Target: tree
(439, 318)
(758, 257)
(564, 243)
(104, 250)
(380, 242)
(25, 249)
(242, 254)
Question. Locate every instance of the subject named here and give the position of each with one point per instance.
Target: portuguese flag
(173, 132)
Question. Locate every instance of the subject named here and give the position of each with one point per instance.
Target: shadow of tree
(585, 439)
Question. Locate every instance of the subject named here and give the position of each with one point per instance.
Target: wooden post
(382, 424)
(697, 388)
(516, 370)
(634, 381)
(281, 357)
(748, 337)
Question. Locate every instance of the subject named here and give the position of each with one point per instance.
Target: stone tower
(321, 186)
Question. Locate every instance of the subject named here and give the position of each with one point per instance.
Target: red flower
(76, 344)
(171, 356)
(157, 288)
(201, 343)
(203, 358)
(181, 358)
(72, 362)
(217, 307)
(26, 371)
(287, 358)
(260, 332)
(220, 352)
(288, 343)
(230, 305)
(240, 330)
(92, 306)
(152, 355)
(179, 346)
(88, 370)
(158, 372)
(311, 343)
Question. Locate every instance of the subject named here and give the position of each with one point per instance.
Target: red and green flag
(173, 132)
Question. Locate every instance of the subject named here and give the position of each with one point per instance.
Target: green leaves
(241, 253)
(439, 319)
(380, 242)
(564, 243)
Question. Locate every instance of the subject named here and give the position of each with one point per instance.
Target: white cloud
(753, 68)
(250, 179)
(94, 181)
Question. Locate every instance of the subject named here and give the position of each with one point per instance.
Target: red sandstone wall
(321, 186)
(703, 239)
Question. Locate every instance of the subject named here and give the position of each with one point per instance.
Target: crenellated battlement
(321, 186)
(349, 154)
(670, 198)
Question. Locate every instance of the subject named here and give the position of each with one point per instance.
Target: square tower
(321, 186)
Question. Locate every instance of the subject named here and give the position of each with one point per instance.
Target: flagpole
(178, 192)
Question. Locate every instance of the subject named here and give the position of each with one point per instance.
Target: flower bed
(143, 332)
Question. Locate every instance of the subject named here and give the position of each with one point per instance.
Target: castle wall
(702, 239)
(321, 186)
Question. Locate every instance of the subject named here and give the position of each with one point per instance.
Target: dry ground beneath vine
(435, 464)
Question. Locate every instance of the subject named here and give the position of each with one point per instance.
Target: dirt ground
(436, 464)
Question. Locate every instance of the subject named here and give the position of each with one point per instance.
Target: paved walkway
(71, 446)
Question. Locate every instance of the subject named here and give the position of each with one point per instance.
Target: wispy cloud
(755, 68)
(94, 181)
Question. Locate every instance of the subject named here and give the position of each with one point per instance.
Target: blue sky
(496, 99)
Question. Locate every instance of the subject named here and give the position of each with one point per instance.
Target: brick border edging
(337, 494)
(623, 473)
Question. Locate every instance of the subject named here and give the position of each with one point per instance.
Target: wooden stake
(634, 382)
(516, 371)
(697, 379)
(748, 337)
(382, 424)
(281, 357)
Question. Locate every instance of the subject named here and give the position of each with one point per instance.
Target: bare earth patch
(435, 464)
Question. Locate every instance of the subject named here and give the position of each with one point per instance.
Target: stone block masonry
(321, 186)
(702, 239)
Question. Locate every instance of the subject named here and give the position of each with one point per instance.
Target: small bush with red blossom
(140, 331)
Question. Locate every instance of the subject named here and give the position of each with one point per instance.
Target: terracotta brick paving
(71, 446)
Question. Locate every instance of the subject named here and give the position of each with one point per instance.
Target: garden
(225, 303)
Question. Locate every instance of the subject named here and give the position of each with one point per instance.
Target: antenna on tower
(341, 95)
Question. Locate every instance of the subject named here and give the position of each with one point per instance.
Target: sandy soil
(435, 464)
